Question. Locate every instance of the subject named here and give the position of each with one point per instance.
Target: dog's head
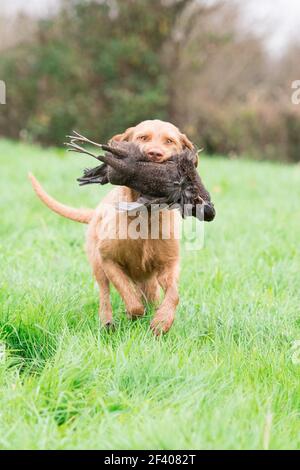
(158, 139)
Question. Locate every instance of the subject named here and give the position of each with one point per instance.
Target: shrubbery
(90, 69)
(103, 66)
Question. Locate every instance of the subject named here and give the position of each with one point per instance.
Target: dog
(137, 268)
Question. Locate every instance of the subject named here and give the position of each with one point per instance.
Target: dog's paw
(108, 325)
(161, 323)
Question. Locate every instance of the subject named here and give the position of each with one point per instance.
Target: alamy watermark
(154, 223)
(2, 92)
(296, 94)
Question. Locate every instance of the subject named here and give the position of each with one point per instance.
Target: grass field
(224, 377)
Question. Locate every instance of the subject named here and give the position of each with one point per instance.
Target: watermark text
(296, 95)
(2, 92)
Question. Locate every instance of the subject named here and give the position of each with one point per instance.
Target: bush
(88, 68)
(100, 67)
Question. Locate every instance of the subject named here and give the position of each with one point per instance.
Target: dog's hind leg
(151, 291)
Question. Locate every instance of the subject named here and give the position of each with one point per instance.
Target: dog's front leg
(125, 287)
(164, 316)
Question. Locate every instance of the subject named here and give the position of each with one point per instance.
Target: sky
(278, 20)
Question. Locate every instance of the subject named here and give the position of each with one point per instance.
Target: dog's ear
(186, 143)
(125, 137)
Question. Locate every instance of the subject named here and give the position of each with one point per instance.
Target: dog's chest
(143, 258)
(142, 247)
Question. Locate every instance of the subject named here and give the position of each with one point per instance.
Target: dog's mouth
(161, 159)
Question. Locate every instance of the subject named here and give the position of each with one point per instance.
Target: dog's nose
(155, 154)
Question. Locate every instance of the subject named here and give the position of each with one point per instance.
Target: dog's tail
(78, 215)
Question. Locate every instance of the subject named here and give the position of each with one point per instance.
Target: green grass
(222, 378)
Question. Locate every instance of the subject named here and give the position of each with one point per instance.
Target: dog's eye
(142, 137)
(169, 141)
